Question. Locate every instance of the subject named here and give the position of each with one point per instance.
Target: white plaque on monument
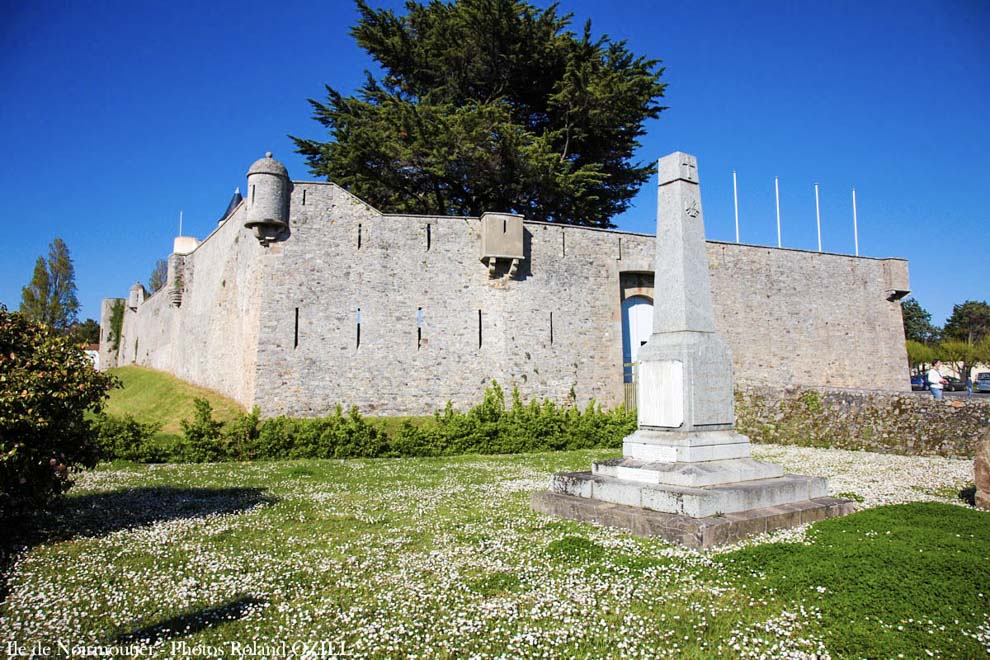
(661, 393)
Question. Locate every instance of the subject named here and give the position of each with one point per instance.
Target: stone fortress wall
(202, 326)
(277, 325)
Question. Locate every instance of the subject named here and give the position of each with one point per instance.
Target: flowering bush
(46, 384)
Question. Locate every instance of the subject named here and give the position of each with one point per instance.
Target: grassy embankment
(155, 397)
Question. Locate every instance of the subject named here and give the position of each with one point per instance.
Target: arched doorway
(637, 326)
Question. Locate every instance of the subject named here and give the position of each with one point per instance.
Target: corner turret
(268, 199)
(136, 296)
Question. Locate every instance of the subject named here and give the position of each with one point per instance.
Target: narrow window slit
(252, 194)
(428, 236)
(295, 338)
(551, 328)
(505, 226)
(479, 328)
(358, 345)
(563, 244)
(304, 198)
(359, 236)
(419, 328)
(620, 247)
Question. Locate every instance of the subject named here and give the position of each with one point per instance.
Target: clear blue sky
(114, 115)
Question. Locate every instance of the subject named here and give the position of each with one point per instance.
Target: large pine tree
(489, 105)
(50, 297)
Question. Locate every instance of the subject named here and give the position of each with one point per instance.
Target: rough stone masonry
(303, 297)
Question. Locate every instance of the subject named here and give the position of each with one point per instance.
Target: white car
(982, 383)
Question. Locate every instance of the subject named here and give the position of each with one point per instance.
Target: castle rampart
(397, 313)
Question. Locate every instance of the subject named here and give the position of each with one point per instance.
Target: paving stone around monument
(686, 475)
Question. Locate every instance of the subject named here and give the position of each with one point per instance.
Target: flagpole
(735, 196)
(855, 223)
(776, 188)
(818, 218)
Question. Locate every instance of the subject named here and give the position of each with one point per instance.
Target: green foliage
(969, 322)
(491, 428)
(46, 385)
(335, 436)
(488, 428)
(877, 576)
(495, 584)
(919, 354)
(50, 298)
(87, 332)
(576, 547)
(812, 401)
(123, 437)
(116, 324)
(246, 437)
(202, 435)
(159, 275)
(964, 354)
(918, 322)
(489, 105)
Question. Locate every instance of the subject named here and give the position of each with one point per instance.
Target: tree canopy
(489, 105)
(87, 332)
(159, 275)
(918, 322)
(50, 297)
(969, 322)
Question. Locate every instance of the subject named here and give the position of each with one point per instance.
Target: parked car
(982, 383)
(919, 382)
(954, 384)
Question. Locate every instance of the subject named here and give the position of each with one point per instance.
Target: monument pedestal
(698, 533)
(685, 474)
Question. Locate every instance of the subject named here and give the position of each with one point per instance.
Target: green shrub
(201, 436)
(490, 428)
(487, 428)
(46, 386)
(239, 437)
(124, 437)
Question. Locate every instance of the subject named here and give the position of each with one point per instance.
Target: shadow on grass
(191, 622)
(100, 514)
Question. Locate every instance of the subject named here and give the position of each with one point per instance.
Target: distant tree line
(963, 341)
(50, 298)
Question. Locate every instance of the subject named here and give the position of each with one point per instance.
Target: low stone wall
(893, 423)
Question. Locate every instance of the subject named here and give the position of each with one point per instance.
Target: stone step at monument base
(696, 533)
(690, 475)
(677, 446)
(688, 501)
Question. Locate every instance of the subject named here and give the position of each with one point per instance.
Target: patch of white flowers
(421, 558)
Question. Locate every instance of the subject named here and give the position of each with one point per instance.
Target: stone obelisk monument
(685, 474)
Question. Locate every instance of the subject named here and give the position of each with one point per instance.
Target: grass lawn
(160, 398)
(444, 558)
